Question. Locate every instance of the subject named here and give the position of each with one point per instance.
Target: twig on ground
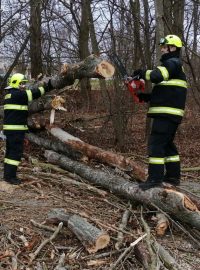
(155, 262)
(61, 262)
(168, 261)
(126, 251)
(39, 225)
(122, 226)
(102, 255)
(46, 241)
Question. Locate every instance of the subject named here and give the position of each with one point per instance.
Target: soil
(42, 190)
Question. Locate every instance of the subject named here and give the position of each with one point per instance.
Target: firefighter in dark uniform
(167, 103)
(15, 121)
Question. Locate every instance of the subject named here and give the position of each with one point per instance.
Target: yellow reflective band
(147, 74)
(7, 96)
(167, 110)
(174, 82)
(164, 72)
(172, 159)
(156, 160)
(15, 127)
(15, 107)
(42, 91)
(11, 161)
(29, 95)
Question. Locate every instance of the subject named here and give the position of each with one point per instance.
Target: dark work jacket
(16, 108)
(168, 96)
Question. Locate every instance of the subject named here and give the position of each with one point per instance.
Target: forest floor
(42, 190)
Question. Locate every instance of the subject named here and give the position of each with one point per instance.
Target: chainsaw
(133, 84)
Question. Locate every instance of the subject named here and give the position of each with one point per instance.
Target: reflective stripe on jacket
(168, 96)
(16, 108)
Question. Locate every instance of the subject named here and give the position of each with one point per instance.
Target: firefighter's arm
(38, 91)
(163, 73)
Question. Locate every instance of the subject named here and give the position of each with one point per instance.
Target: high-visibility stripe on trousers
(164, 160)
(14, 152)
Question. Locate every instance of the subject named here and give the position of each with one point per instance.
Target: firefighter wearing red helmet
(167, 104)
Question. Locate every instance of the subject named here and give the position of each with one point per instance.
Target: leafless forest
(79, 206)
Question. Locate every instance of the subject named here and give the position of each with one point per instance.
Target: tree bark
(35, 38)
(91, 67)
(54, 145)
(90, 236)
(99, 154)
(169, 200)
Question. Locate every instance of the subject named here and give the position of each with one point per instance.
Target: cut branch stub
(90, 236)
(105, 69)
(90, 67)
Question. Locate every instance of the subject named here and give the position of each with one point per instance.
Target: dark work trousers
(14, 152)
(164, 161)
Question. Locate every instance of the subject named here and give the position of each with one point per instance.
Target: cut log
(91, 67)
(162, 224)
(91, 237)
(93, 152)
(55, 145)
(169, 200)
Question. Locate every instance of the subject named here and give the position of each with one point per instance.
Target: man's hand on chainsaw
(146, 97)
(138, 74)
(128, 79)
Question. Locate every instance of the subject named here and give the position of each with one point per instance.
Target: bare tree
(35, 38)
(83, 44)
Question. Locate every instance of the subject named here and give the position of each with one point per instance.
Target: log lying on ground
(93, 152)
(90, 236)
(169, 200)
(55, 145)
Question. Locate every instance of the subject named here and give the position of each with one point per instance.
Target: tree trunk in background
(178, 17)
(167, 7)
(118, 117)
(147, 35)
(84, 50)
(35, 38)
(159, 27)
(174, 15)
(138, 56)
(95, 50)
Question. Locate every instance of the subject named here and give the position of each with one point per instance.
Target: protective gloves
(146, 97)
(139, 73)
(47, 85)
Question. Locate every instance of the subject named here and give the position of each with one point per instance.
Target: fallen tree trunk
(90, 236)
(91, 67)
(169, 200)
(93, 152)
(55, 145)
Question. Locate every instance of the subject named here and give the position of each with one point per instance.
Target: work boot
(150, 184)
(172, 181)
(13, 181)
